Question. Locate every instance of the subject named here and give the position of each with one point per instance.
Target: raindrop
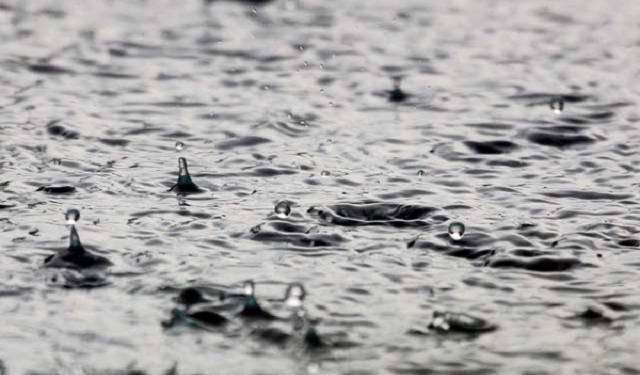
(180, 146)
(556, 105)
(321, 91)
(282, 209)
(72, 216)
(325, 173)
(420, 173)
(456, 230)
(254, 11)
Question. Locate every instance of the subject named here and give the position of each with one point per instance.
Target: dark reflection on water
(518, 119)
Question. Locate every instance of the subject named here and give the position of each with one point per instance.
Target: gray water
(288, 101)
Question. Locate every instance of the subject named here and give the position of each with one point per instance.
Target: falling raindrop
(282, 209)
(72, 216)
(180, 146)
(456, 230)
(325, 173)
(556, 105)
(420, 173)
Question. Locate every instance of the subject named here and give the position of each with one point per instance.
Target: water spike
(252, 308)
(184, 185)
(74, 241)
(182, 164)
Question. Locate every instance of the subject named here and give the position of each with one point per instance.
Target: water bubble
(294, 296)
(456, 230)
(72, 216)
(556, 105)
(180, 146)
(325, 173)
(282, 209)
(420, 173)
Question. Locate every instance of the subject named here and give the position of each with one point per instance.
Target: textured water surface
(289, 101)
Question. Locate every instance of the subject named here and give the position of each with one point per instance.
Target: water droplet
(420, 173)
(294, 297)
(456, 230)
(321, 91)
(248, 288)
(282, 209)
(254, 11)
(306, 63)
(321, 66)
(313, 369)
(72, 216)
(556, 105)
(325, 173)
(265, 87)
(179, 146)
(301, 48)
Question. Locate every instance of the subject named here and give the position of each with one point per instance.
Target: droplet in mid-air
(180, 146)
(456, 230)
(420, 173)
(282, 209)
(72, 216)
(556, 105)
(325, 173)
(294, 296)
